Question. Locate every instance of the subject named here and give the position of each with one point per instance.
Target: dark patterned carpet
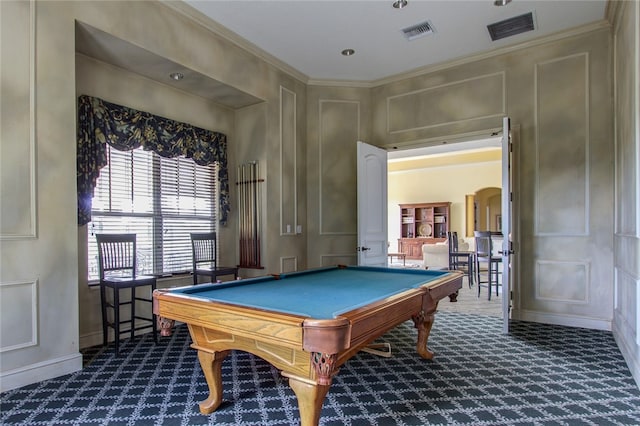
(537, 375)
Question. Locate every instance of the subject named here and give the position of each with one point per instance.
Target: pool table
(305, 323)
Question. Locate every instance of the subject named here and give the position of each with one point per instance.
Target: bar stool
(484, 254)
(117, 265)
(204, 258)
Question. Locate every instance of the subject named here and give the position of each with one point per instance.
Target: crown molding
(613, 11)
(221, 31)
(339, 83)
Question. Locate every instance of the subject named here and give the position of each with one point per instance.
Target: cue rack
(249, 208)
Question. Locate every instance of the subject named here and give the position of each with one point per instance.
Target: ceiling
(309, 35)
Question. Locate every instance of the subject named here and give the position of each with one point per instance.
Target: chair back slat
(203, 247)
(116, 255)
(452, 237)
(483, 244)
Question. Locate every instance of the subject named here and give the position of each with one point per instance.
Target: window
(159, 199)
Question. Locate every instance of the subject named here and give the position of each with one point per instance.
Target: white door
(372, 205)
(507, 215)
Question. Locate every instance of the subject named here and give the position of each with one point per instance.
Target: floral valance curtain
(101, 122)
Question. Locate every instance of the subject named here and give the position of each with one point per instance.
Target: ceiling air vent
(510, 27)
(419, 30)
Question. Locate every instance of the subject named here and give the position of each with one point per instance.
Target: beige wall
(306, 135)
(41, 298)
(39, 261)
(626, 311)
(337, 118)
(560, 108)
(434, 184)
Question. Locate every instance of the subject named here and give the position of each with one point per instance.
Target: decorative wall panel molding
(485, 97)
(562, 281)
(562, 146)
(339, 131)
(19, 315)
(288, 264)
(626, 293)
(627, 106)
(288, 163)
(18, 121)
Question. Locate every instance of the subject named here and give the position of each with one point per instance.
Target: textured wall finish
(19, 305)
(562, 117)
(339, 123)
(288, 165)
(626, 64)
(563, 281)
(435, 106)
(17, 120)
(559, 95)
(627, 173)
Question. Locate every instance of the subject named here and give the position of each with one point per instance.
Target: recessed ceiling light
(176, 76)
(399, 4)
(348, 52)
(501, 2)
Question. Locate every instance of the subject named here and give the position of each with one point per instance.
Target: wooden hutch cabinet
(423, 223)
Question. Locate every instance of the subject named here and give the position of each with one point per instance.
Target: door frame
(515, 231)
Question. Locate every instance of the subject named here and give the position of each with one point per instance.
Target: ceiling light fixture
(399, 4)
(177, 76)
(501, 2)
(348, 52)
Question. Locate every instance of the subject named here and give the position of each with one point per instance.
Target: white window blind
(161, 200)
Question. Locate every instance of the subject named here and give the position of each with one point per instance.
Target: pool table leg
(310, 398)
(423, 322)
(211, 363)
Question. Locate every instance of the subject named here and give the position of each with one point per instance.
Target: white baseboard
(628, 347)
(559, 319)
(38, 372)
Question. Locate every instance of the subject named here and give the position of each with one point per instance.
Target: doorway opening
(468, 177)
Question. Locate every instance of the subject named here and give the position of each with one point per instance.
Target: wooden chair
(117, 268)
(204, 259)
(484, 254)
(460, 260)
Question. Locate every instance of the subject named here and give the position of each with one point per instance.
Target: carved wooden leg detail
(423, 322)
(211, 363)
(310, 398)
(165, 325)
(453, 297)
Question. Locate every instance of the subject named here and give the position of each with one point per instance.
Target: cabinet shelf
(422, 223)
